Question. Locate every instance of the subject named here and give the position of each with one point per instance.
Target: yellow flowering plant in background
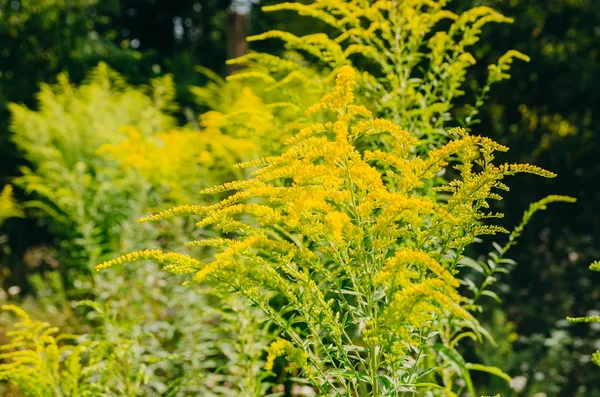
(89, 178)
(255, 110)
(413, 57)
(9, 208)
(65, 182)
(202, 156)
(349, 242)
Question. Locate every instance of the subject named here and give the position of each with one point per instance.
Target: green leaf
(449, 393)
(491, 295)
(350, 292)
(426, 372)
(457, 362)
(497, 246)
(462, 335)
(489, 369)
(386, 381)
(354, 348)
(473, 264)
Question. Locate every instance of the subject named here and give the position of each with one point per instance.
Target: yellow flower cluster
(342, 229)
(394, 38)
(175, 263)
(181, 162)
(37, 361)
(396, 265)
(276, 349)
(254, 107)
(282, 347)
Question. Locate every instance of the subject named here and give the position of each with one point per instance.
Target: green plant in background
(497, 263)
(343, 242)
(590, 319)
(485, 274)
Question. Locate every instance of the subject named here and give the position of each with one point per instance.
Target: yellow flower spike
(8, 206)
(178, 263)
(275, 350)
(338, 222)
(16, 310)
(343, 95)
(419, 258)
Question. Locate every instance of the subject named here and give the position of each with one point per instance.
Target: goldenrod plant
(9, 208)
(595, 267)
(81, 197)
(413, 57)
(349, 242)
(89, 179)
(42, 363)
(260, 111)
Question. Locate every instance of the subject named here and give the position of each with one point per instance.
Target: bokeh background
(548, 114)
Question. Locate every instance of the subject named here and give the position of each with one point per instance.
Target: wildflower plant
(595, 267)
(255, 110)
(413, 57)
(349, 242)
(66, 182)
(9, 208)
(89, 179)
(41, 364)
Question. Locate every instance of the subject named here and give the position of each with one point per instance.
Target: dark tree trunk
(237, 31)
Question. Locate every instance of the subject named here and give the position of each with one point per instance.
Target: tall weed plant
(349, 242)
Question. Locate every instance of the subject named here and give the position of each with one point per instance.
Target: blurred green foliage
(548, 114)
(81, 197)
(149, 336)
